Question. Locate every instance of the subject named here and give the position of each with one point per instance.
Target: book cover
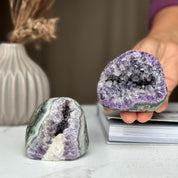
(162, 128)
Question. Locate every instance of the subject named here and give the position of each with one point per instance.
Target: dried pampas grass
(29, 22)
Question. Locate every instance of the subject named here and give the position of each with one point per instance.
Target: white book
(162, 128)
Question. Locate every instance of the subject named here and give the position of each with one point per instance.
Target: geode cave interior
(57, 131)
(133, 81)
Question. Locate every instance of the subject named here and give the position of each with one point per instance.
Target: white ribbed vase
(23, 85)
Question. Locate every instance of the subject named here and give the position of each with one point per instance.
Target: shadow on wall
(90, 34)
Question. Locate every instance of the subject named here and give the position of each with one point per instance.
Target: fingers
(108, 110)
(128, 117)
(144, 116)
(163, 106)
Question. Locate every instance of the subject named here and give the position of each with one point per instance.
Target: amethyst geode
(57, 131)
(133, 81)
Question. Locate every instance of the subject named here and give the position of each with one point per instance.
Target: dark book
(162, 128)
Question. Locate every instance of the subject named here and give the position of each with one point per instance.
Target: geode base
(57, 131)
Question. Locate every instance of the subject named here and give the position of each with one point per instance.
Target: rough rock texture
(133, 81)
(57, 131)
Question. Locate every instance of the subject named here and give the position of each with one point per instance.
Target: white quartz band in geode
(57, 131)
(134, 81)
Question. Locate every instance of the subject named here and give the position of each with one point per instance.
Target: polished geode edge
(40, 113)
(139, 107)
(83, 139)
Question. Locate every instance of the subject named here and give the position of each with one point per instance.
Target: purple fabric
(156, 5)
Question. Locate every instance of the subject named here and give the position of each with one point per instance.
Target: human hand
(166, 51)
(162, 42)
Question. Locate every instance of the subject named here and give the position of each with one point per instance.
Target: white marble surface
(101, 161)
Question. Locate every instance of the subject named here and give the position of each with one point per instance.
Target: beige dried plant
(30, 24)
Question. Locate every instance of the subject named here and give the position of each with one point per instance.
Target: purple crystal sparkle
(57, 131)
(134, 81)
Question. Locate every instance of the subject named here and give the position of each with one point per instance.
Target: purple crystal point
(57, 131)
(134, 81)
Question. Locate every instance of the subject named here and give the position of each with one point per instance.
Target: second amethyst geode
(57, 131)
(134, 81)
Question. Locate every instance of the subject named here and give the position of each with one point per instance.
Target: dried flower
(29, 23)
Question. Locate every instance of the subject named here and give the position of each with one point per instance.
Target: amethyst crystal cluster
(133, 81)
(57, 131)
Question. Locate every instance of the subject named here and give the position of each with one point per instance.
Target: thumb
(163, 106)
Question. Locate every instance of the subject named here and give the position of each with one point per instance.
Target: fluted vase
(23, 85)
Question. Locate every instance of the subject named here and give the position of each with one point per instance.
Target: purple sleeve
(156, 5)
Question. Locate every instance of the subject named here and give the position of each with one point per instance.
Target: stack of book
(162, 128)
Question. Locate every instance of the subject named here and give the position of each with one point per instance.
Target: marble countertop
(101, 161)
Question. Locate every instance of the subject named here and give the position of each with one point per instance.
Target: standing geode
(134, 81)
(57, 131)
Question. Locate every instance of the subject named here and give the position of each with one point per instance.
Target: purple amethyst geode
(57, 131)
(134, 81)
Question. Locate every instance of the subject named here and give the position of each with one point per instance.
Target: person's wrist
(165, 24)
(166, 19)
